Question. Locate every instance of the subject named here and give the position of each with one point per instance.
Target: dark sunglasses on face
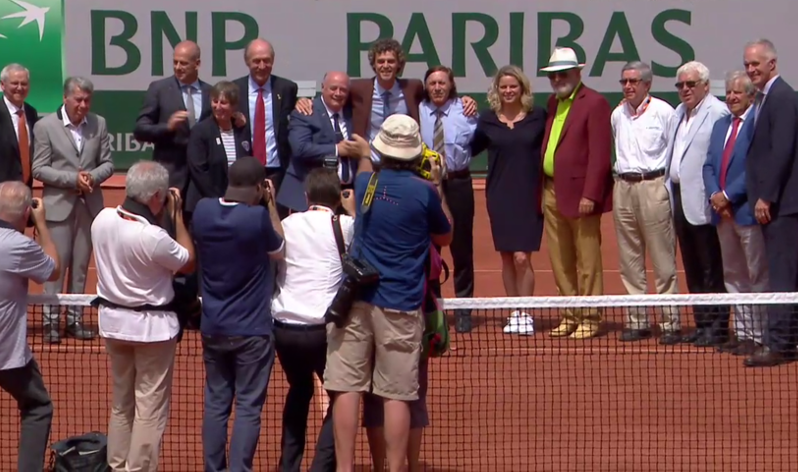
(688, 84)
(629, 81)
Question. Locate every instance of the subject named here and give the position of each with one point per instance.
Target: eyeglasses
(688, 84)
(559, 74)
(629, 81)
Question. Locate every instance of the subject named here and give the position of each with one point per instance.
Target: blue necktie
(386, 105)
(339, 136)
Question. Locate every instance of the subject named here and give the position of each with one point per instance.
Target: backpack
(435, 341)
(85, 453)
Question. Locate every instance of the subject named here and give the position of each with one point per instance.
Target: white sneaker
(526, 325)
(513, 323)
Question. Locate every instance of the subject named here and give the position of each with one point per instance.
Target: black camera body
(34, 204)
(358, 274)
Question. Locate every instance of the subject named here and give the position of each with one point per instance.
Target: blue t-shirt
(233, 242)
(394, 236)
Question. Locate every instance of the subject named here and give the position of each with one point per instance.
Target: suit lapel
(206, 100)
(277, 105)
(573, 113)
(66, 130)
(695, 123)
(5, 118)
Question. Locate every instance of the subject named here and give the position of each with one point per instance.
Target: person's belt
(100, 301)
(458, 174)
(299, 327)
(641, 176)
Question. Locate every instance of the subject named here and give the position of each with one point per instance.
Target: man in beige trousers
(139, 327)
(642, 126)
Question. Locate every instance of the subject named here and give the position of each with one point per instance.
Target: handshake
(355, 147)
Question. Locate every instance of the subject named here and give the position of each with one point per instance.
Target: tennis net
(500, 401)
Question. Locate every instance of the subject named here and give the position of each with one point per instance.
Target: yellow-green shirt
(563, 108)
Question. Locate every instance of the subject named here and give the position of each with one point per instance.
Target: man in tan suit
(72, 157)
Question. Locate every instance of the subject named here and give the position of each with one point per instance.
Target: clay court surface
(499, 402)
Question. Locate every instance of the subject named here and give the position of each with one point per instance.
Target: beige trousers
(575, 253)
(142, 384)
(644, 222)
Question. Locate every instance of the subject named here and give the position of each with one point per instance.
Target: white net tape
(497, 303)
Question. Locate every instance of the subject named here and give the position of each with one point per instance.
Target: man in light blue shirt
(445, 128)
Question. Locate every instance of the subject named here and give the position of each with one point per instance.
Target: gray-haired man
(72, 157)
(22, 260)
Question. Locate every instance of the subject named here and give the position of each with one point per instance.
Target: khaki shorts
(377, 350)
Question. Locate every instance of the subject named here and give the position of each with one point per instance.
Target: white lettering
(125, 142)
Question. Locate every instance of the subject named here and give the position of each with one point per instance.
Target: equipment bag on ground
(85, 453)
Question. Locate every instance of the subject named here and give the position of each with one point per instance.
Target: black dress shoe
(708, 340)
(462, 322)
(766, 357)
(631, 335)
(729, 346)
(671, 338)
(693, 336)
(745, 348)
(77, 331)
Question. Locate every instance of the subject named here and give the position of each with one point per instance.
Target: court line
(549, 271)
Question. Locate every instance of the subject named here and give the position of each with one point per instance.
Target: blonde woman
(512, 133)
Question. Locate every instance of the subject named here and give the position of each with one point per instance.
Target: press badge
(218, 141)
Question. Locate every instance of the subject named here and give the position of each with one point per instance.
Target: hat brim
(562, 68)
(399, 153)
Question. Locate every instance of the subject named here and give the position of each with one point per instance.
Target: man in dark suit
(16, 135)
(577, 169)
(772, 185)
(172, 106)
(267, 101)
(324, 134)
(742, 245)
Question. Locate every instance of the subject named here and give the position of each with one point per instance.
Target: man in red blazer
(577, 188)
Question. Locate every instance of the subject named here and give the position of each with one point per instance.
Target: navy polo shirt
(233, 242)
(394, 236)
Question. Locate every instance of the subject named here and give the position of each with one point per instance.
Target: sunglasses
(688, 84)
(629, 81)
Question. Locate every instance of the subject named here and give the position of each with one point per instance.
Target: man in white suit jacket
(698, 239)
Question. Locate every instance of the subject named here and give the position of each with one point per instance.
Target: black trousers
(782, 254)
(276, 174)
(703, 268)
(459, 192)
(302, 351)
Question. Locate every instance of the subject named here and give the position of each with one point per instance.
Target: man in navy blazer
(772, 185)
(323, 135)
(741, 242)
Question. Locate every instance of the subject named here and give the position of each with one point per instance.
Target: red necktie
(727, 152)
(259, 140)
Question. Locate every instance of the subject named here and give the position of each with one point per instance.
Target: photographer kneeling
(375, 345)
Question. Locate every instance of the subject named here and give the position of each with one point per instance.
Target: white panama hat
(562, 59)
(399, 138)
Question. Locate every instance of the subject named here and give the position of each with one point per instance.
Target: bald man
(267, 101)
(172, 106)
(320, 139)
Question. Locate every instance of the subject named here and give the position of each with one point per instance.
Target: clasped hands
(721, 204)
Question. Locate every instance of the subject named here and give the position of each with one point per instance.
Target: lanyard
(638, 114)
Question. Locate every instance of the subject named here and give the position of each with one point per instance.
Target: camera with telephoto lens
(31, 222)
(357, 275)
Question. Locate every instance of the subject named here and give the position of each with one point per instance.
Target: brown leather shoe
(566, 328)
(586, 330)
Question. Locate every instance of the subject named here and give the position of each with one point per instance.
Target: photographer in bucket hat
(577, 187)
(376, 347)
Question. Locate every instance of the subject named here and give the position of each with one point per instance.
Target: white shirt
(135, 263)
(76, 131)
(642, 135)
(311, 273)
(344, 132)
(229, 143)
(12, 110)
(680, 142)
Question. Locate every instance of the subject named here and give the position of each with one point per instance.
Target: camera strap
(339, 235)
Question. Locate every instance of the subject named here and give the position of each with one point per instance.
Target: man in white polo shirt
(136, 261)
(22, 260)
(308, 282)
(642, 127)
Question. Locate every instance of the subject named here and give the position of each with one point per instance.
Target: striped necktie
(437, 137)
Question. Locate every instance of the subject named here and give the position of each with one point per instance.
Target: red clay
(503, 403)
